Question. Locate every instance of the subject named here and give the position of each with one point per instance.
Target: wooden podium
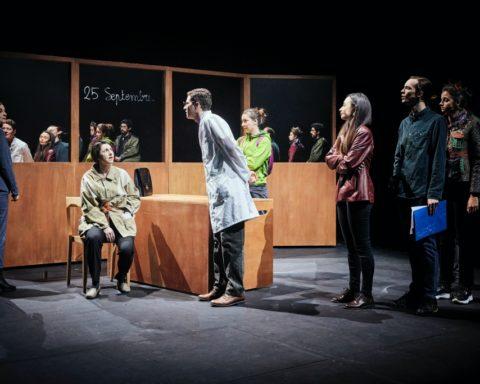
(173, 244)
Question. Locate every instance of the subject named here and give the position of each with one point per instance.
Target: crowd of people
(51, 148)
(437, 157)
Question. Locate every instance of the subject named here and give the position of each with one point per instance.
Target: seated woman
(109, 203)
(103, 132)
(45, 151)
(296, 151)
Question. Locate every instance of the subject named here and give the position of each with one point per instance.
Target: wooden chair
(73, 237)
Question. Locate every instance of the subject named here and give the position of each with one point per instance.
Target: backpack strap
(259, 140)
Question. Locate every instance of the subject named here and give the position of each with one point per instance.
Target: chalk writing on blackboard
(108, 94)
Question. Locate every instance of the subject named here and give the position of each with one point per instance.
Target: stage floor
(290, 332)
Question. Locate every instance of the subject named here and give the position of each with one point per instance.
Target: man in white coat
(230, 204)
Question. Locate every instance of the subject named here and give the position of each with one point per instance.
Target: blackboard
(226, 98)
(36, 94)
(111, 94)
(294, 102)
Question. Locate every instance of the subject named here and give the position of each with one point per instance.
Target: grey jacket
(226, 174)
(131, 149)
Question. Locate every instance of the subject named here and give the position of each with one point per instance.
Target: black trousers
(354, 219)
(3, 224)
(423, 254)
(94, 239)
(228, 259)
(457, 256)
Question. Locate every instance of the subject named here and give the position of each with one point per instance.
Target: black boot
(4, 286)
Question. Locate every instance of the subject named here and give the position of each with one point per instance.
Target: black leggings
(94, 239)
(354, 219)
(458, 253)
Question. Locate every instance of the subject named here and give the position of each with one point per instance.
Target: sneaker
(462, 296)
(428, 307)
(444, 292)
(92, 293)
(406, 301)
(123, 286)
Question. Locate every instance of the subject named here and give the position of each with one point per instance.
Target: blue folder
(424, 225)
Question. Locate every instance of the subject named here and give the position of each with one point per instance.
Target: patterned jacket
(463, 150)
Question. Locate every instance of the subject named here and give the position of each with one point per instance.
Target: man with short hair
(127, 145)
(8, 186)
(230, 204)
(19, 150)
(418, 179)
(319, 149)
(275, 147)
(60, 147)
(3, 113)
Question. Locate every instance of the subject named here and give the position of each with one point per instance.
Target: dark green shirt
(420, 155)
(318, 151)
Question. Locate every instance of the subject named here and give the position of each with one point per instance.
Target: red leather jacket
(354, 182)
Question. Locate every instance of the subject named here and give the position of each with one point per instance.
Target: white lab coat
(226, 174)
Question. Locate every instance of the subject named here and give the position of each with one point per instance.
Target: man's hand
(109, 234)
(432, 206)
(117, 159)
(472, 204)
(253, 178)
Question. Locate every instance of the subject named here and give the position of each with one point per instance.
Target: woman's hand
(106, 207)
(109, 234)
(472, 204)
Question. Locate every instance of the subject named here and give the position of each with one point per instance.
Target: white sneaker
(92, 293)
(123, 287)
(462, 297)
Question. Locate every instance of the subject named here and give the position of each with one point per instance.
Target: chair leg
(113, 261)
(84, 273)
(69, 261)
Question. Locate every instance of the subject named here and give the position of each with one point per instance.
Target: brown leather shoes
(227, 301)
(345, 297)
(361, 301)
(215, 293)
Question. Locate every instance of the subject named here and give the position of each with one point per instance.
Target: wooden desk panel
(173, 249)
(37, 222)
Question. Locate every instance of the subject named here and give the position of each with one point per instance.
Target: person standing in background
(19, 150)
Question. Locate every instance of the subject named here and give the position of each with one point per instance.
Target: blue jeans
(3, 224)
(423, 254)
(259, 191)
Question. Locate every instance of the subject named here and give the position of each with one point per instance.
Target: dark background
(146, 116)
(369, 51)
(36, 94)
(294, 103)
(226, 97)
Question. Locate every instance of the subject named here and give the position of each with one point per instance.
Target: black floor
(289, 333)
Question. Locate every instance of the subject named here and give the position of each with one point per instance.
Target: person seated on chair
(109, 203)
